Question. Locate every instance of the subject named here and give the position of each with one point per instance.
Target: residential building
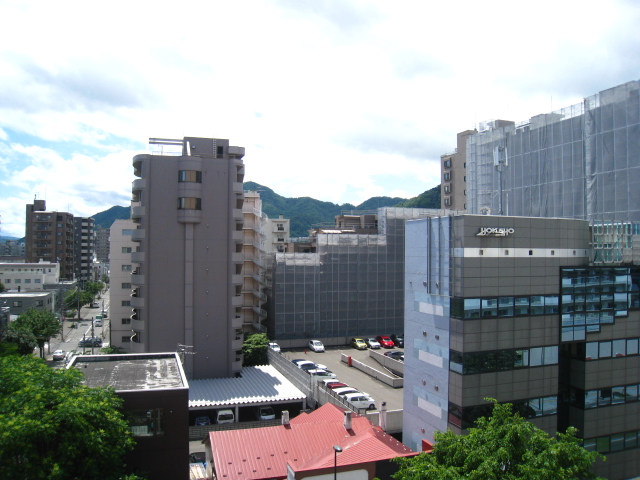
(83, 249)
(316, 445)
(12, 248)
(578, 162)
(120, 288)
(155, 392)
(49, 237)
(513, 308)
(453, 170)
(102, 244)
(20, 302)
(29, 276)
(344, 281)
(187, 268)
(277, 234)
(255, 272)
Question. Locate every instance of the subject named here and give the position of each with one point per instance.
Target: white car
(59, 355)
(316, 346)
(97, 323)
(344, 390)
(360, 400)
(275, 347)
(372, 343)
(318, 374)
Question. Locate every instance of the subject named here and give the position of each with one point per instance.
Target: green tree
(17, 341)
(53, 427)
(76, 299)
(42, 324)
(2, 287)
(503, 446)
(254, 350)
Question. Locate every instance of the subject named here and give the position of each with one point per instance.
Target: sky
(338, 100)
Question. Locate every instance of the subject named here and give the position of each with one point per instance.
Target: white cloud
(334, 99)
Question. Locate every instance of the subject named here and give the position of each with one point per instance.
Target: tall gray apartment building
(513, 308)
(187, 265)
(581, 162)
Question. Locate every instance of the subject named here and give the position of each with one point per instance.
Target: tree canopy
(52, 426)
(254, 350)
(503, 446)
(33, 325)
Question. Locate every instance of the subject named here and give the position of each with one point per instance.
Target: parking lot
(353, 377)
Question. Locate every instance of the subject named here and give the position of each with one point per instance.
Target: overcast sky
(339, 100)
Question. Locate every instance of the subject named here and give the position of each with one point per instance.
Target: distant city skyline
(339, 101)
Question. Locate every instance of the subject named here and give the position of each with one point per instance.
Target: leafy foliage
(254, 350)
(40, 325)
(52, 426)
(503, 446)
(428, 199)
(2, 287)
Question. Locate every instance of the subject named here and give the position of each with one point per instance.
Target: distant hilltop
(302, 211)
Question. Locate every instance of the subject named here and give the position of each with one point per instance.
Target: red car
(385, 341)
(336, 385)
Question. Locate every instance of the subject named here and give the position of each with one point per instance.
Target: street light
(336, 450)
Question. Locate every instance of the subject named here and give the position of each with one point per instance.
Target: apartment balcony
(237, 236)
(137, 279)
(236, 321)
(236, 343)
(137, 302)
(237, 365)
(237, 257)
(138, 160)
(137, 257)
(262, 313)
(138, 235)
(138, 185)
(238, 188)
(263, 280)
(259, 295)
(237, 301)
(137, 212)
(236, 279)
(237, 214)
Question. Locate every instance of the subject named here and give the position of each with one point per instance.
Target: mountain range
(304, 212)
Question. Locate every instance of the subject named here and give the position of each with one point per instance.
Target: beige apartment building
(121, 266)
(187, 280)
(453, 168)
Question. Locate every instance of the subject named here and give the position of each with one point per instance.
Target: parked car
(396, 355)
(360, 400)
(94, 305)
(320, 374)
(333, 386)
(90, 342)
(275, 347)
(202, 421)
(398, 340)
(372, 343)
(309, 365)
(358, 343)
(385, 341)
(59, 355)
(97, 323)
(330, 381)
(345, 390)
(265, 412)
(225, 416)
(316, 346)
(104, 314)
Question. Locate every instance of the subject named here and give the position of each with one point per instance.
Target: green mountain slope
(304, 212)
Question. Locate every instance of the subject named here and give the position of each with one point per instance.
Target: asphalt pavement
(68, 340)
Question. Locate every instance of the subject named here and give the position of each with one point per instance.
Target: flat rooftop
(147, 371)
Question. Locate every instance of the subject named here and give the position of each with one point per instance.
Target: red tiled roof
(306, 444)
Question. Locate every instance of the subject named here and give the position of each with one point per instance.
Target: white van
(225, 416)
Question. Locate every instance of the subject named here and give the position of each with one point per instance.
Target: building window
(126, 286)
(17, 303)
(447, 201)
(126, 303)
(126, 268)
(190, 176)
(37, 280)
(447, 176)
(280, 227)
(125, 339)
(126, 231)
(146, 423)
(126, 321)
(447, 163)
(126, 249)
(189, 203)
(39, 303)
(8, 280)
(447, 189)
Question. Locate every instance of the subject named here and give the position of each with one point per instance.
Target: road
(68, 340)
